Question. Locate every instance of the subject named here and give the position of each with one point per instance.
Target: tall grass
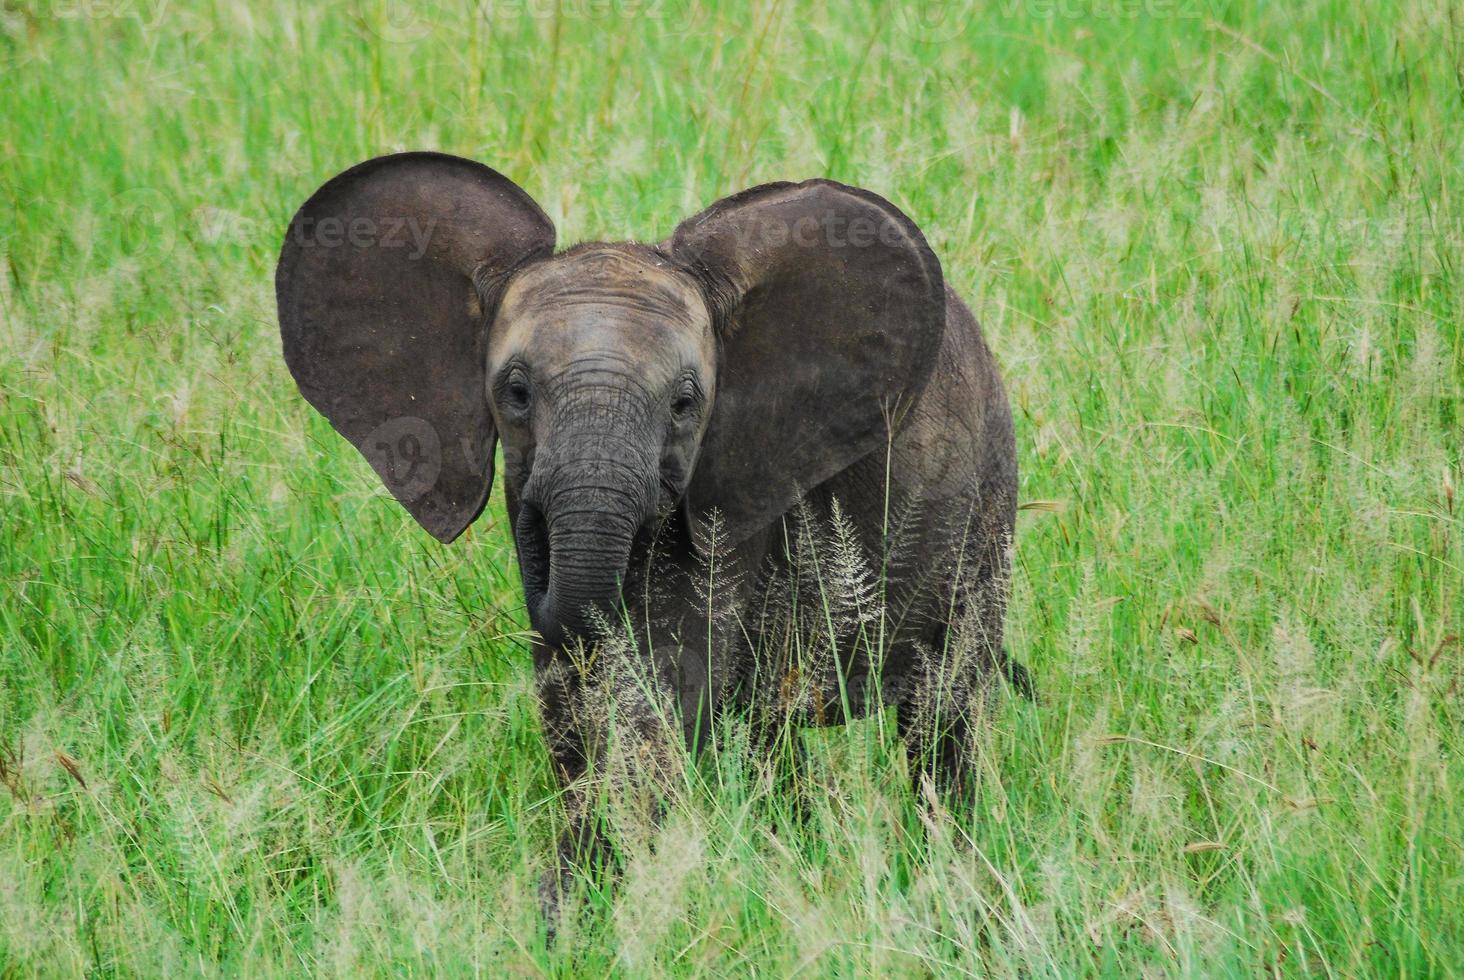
(253, 720)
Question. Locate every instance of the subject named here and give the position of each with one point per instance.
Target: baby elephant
(764, 465)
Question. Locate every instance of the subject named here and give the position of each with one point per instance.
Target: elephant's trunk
(575, 545)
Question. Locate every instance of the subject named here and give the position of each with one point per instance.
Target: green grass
(252, 719)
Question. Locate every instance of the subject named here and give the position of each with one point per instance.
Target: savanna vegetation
(254, 720)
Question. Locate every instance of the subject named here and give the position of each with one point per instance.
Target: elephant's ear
(384, 286)
(830, 308)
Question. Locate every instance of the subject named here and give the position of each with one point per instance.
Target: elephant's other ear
(830, 309)
(384, 286)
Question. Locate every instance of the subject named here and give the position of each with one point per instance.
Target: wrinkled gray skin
(630, 471)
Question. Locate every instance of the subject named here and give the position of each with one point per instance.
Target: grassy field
(254, 720)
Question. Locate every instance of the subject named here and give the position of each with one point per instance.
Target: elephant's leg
(957, 670)
(936, 724)
(617, 748)
(559, 692)
(961, 660)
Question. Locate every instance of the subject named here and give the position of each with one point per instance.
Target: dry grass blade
(73, 769)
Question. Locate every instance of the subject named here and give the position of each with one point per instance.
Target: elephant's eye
(514, 393)
(686, 400)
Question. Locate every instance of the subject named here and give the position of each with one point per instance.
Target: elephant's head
(770, 342)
